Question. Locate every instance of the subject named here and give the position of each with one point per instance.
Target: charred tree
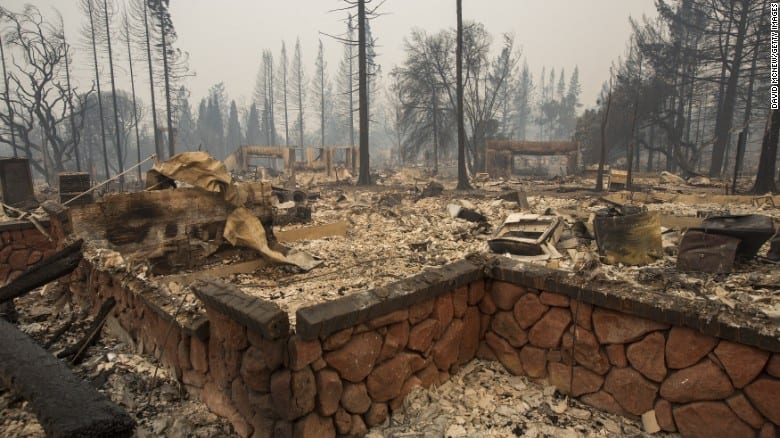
(364, 175)
(73, 131)
(132, 90)
(603, 151)
(283, 66)
(157, 146)
(90, 13)
(726, 114)
(463, 180)
(165, 28)
(8, 99)
(765, 178)
(632, 144)
(117, 139)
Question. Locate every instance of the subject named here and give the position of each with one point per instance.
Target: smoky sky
(225, 38)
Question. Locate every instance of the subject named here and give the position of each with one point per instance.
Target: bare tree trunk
(300, 105)
(70, 103)
(463, 179)
(632, 145)
(270, 76)
(435, 131)
(117, 135)
(765, 178)
(8, 100)
(157, 147)
(725, 117)
(603, 152)
(284, 81)
(132, 89)
(364, 177)
(167, 75)
(351, 97)
(748, 106)
(322, 100)
(650, 152)
(99, 94)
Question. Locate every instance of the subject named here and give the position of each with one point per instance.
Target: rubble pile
(483, 400)
(395, 232)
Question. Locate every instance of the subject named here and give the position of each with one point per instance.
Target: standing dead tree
(88, 7)
(117, 139)
(7, 97)
(366, 69)
(128, 40)
(463, 179)
(40, 101)
(603, 151)
(283, 79)
(765, 178)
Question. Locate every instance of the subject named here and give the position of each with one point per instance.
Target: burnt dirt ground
(393, 232)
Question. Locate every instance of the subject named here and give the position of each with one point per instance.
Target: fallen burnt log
(65, 405)
(51, 268)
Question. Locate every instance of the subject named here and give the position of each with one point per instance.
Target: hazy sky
(225, 38)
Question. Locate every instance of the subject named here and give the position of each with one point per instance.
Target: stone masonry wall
(696, 384)
(139, 316)
(350, 362)
(21, 245)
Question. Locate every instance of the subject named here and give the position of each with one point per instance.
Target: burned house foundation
(349, 363)
(163, 271)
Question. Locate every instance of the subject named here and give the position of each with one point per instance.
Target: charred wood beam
(65, 405)
(51, 268)
(77, 350)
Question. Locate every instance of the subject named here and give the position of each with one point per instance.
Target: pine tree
(299, 90)
(185, 121)
(233, 136)
(523, 99)
(253, 136)
(319, 86)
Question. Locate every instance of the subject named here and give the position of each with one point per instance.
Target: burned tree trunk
(765, 178)
(364, 177)
(117, 134)
(463, 181)
(99, 94)
(157, 147)
(726, 115)
(603, 152)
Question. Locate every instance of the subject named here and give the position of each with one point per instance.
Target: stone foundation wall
(139, 315)
(349, 363)
(698, 385)
(21, 245)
